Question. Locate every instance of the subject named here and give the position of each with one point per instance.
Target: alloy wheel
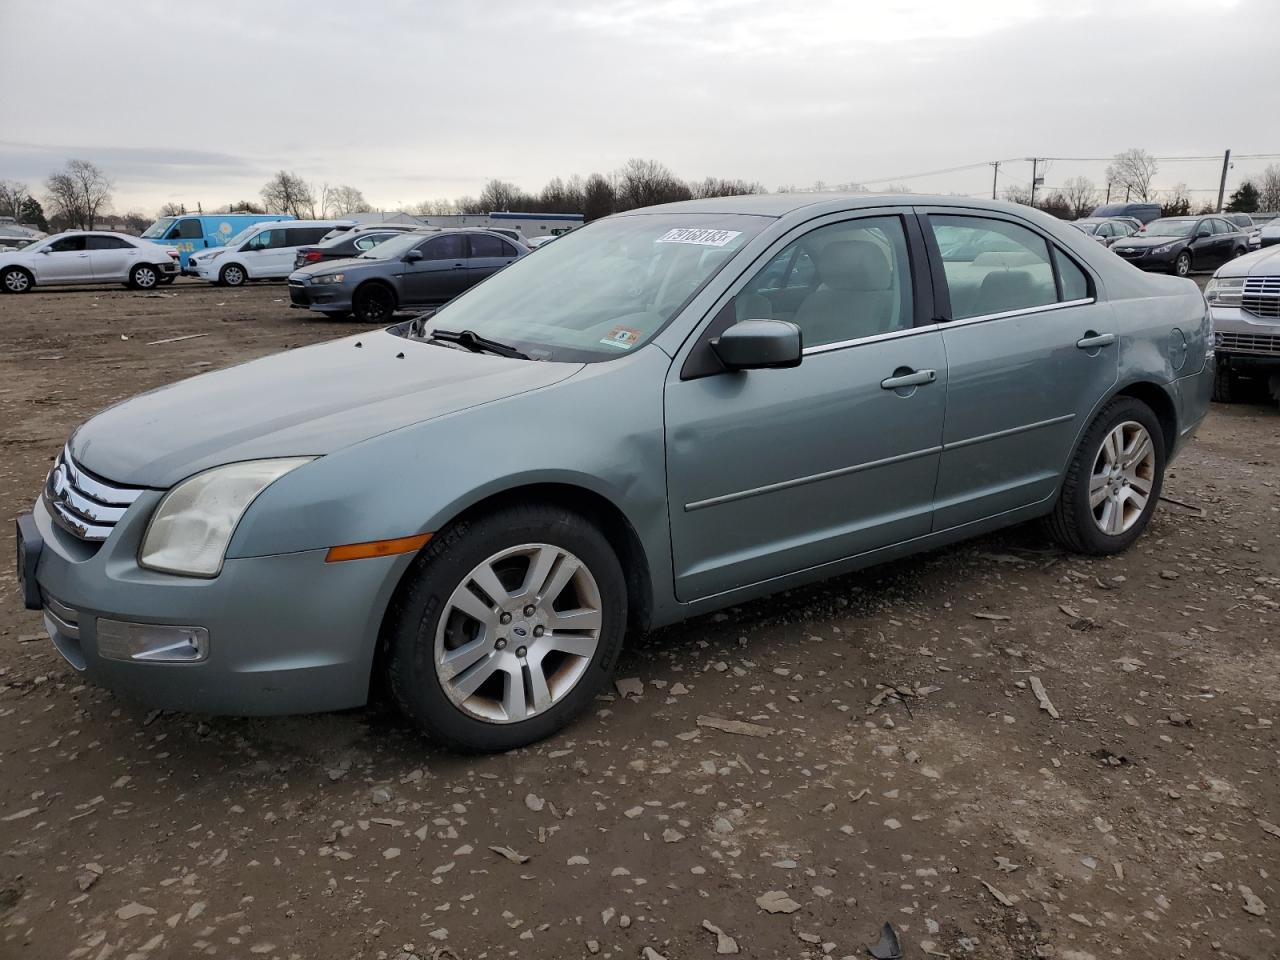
(1122, 478)
(518, 633)
(233, 276)
(15, 281)
(1182, 265)
(144, 277)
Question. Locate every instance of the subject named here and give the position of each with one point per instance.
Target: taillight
(312, 256)
(173, 253)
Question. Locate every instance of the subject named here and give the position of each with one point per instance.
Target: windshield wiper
(478, 344)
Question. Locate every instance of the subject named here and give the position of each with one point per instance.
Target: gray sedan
(408, 271)
(661, 414)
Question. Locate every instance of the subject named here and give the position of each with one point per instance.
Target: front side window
(68, 245)
(992, 266)
(266, 240)
(602, 291)
(190, 230)
(447, 247)
(843, 281)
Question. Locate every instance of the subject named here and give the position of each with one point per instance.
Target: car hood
(305, 402)
(1264, 262)
(343, 265)
(1145, 241)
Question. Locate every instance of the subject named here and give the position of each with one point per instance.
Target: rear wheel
(373, 304)
(232, 275)
(1113, 482)
(506, 627)
(16, 280)
(1182, 265)
(144, 277)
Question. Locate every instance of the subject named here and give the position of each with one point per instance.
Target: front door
(771, 472)
(440, 275)
(67, 261)
(266, 255)
(1030, 353)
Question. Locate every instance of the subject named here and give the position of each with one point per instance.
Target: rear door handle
(914, 379)
(1095, 340)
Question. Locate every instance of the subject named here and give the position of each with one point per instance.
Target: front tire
(373, 304)
(1226, 385)
(1113, 481)
(506, 627)
(232, 275)
(1182, 265)
(16, 280)
(144, 277)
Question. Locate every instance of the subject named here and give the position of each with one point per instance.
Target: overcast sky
(200, 102)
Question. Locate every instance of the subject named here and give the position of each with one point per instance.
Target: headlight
(192, 526)
(1165, 249)
(1225, 291)
(211, 255)
(329, 278)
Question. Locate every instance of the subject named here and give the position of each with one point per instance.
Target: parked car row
(1180, 245)
(420, 268)
(87, 256)
(263, 251)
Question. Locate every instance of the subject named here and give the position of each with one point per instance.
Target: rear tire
(373, 304)
(144, 277)
(1098, 508)
(493, 697)
(17, 280)
(232, 275)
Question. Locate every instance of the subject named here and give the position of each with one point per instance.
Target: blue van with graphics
(191, 232)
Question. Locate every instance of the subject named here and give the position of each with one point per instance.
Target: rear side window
(484, 245)
(368, 241)
(109, 243)
(1075, 284)
(299, 236)
(993, 266)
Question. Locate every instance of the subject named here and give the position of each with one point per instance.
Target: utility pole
(1222, 184)
(995, 173)
(1035, 162)
(1108, 200)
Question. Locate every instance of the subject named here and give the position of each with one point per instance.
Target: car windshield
(1169, 228)
(158, 229)
(350, 236)
(390, 249)
(601, 291)
(1088, 227)
(243, 234)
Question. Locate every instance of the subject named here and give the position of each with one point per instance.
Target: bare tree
(434, 208)
(172, 209)
(344, 200)
(288, 193)
(13, 196)
(1134, 170)
(1016, 194)
(1081, 196)
(65, 209)
(599, 197)
(1269, 189)
(641, 183)
(78, 194)
(717, 187)
(1176, 202)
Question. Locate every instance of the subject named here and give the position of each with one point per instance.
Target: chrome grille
(1250, 343)
(82, 504)
(1262, 296)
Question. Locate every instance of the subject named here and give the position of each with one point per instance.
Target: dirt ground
(908, 773)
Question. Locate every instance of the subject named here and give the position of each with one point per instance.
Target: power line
(987, 163)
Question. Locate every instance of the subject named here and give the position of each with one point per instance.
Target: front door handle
(914, 378)
(1091, 340)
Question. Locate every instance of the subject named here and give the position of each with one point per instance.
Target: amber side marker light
(376, 548)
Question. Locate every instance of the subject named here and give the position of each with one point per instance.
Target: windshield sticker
(700, 236)
(624, 338)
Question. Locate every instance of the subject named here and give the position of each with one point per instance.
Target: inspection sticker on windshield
(700, 236)
(624, 338)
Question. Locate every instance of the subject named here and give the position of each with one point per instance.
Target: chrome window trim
(944, 324)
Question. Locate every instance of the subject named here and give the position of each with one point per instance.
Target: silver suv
(1244, 295)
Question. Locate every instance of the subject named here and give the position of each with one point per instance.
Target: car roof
(781, 204)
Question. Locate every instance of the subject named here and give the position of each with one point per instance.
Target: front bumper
(286, 634)
(327, 298)
(1147, 260)
(1243, 336)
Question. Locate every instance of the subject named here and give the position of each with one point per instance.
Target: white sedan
(87, 256)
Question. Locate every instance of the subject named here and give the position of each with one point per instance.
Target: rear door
(67, 261)
(1030, 352)
(110, 257)
(440, 275)
(486, 255)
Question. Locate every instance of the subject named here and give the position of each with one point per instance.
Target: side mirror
(47, 250)
(413, 256)
(759, 345)
(1203, 232)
